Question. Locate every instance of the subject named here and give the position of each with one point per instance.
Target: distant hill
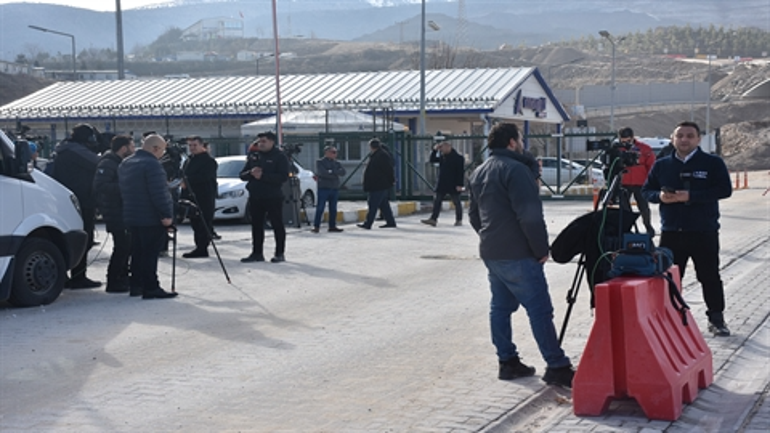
(489, 23)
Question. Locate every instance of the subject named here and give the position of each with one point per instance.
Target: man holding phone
(688, 185)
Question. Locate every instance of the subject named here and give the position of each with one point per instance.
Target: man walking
(147, 211)
(506, 212)
(451, 178)
(74, 168)
(688, 184)
(266, 169)
(200, 187)
(379, 177)
(108, 200)
(328, 171)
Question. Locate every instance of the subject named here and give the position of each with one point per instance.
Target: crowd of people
(131, 190)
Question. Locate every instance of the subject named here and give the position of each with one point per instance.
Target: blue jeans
(324, 195)
(522, 282)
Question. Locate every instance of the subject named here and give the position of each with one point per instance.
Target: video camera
(291, 149)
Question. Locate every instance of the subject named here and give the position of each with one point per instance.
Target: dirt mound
(746, 145)
(743, 77)
(13, 87)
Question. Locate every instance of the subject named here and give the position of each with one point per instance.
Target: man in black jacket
(147, 212)
(266, 169)
(688, 184)
(200, 187)
(506, 212)
(451, 179)
(74, 168)
(107, 192)
(379, 177)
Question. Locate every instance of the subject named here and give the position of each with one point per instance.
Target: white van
(41, 230)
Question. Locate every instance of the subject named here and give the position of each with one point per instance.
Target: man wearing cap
(451, 178)
(379, 177)
(328, 170)
(266, 169)
(635, 175)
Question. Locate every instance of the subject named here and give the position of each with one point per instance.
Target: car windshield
(230, 168)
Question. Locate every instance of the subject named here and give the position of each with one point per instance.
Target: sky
(97, 5)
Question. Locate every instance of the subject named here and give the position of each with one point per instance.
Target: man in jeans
(506, 212)
(328, 170)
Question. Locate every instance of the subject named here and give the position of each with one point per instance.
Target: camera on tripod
(291, 149)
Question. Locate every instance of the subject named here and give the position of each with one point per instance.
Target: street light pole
(708, 101)
(422, 70)
(119, 30)
(605, 34)
(74, 67)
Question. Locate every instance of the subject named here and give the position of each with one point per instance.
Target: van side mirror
(22, 156)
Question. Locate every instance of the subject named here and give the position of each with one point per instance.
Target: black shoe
(561, 376)
(719, 329)
(82, 283)
(364, 226)
(159, 294)
(253, 258)
(116, 287)
(278, 259)
(196, 254)
(335, 230)
(314, 230)
(514, 369)
(216, 236)
(388, 226)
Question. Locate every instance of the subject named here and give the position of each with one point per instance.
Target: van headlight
(76, 203)
(232, 194)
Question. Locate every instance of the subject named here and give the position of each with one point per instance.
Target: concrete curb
(356, 214)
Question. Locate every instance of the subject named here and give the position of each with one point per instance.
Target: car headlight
(233, 194)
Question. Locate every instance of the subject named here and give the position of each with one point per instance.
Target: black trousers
(439, 197)
(121, 253)
(703, 248)
(145, 244)
(641, 203)
(79, 271)
(202, 226)
(273, 209)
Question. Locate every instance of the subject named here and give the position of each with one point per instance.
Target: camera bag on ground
(640, 257)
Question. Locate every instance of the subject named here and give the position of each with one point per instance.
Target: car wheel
(38, 275)
(308, 199)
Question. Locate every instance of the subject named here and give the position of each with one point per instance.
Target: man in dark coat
(200, 187)
(75, 167)
(266, 169)
(379, 177)
(147, 212)
(451, 178)
(108, 199)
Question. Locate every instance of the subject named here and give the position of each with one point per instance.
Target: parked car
(233, 197)
(569, 170)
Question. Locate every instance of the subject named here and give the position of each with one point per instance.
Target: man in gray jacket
(506, 212)
(328, 171)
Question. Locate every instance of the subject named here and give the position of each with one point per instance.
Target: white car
(569, 170)
(233, 197)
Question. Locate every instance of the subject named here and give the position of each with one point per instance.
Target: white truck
(41, 230)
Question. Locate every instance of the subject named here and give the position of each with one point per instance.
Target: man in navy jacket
(688, 185)
(147, 211)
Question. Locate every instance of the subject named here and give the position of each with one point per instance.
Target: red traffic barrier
(639, 348)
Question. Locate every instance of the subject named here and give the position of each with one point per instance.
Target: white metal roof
(480, 90)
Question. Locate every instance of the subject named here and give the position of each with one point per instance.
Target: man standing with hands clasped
(328, 170)
(507, 214)
(200, 185)
(688, 184)
(451, 178)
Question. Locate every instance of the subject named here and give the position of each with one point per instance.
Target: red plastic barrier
(639, 348)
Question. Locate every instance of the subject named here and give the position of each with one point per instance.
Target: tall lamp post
(606, 35)
(708, 101)
(74, 67)
(119, 31)
(435, 27)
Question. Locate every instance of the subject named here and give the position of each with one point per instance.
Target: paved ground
(381, 330)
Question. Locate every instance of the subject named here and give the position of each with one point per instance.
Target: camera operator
(75, 167)
(200, 187)
(266, 169)
(171, 161)
(635, 175)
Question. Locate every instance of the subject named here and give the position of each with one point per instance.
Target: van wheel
(38, 275)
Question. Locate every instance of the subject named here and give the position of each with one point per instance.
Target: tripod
(610, 244)
(190, 205)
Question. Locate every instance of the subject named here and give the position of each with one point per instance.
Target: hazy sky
(97, 5)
